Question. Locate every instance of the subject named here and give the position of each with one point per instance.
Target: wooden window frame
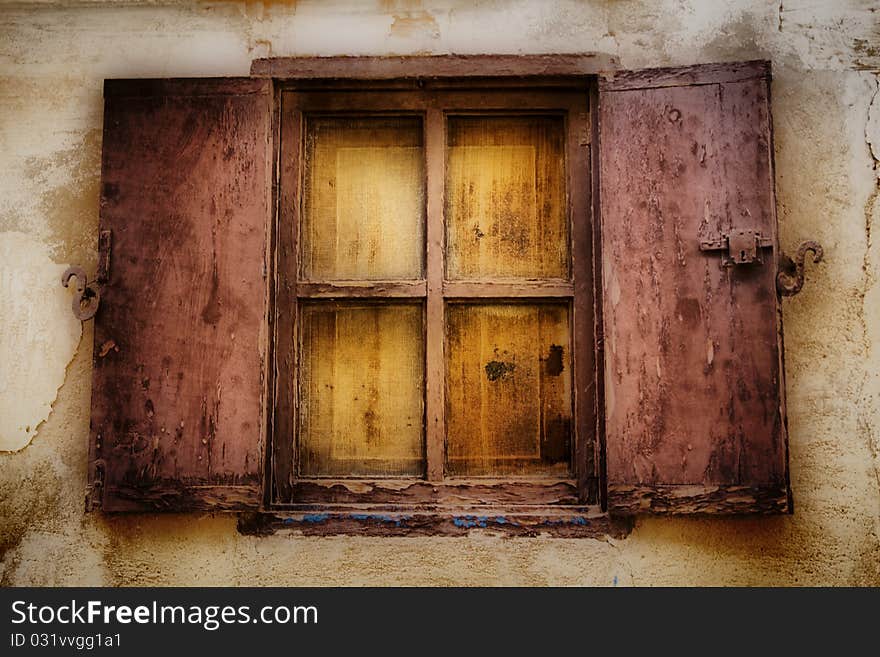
(519, 505)
(652, 453)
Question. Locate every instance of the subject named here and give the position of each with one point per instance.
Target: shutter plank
(695, 419)
(180, 337)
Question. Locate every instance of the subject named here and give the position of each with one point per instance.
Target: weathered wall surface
(826, 110)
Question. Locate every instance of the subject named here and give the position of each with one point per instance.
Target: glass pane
(364, 199)
(506, 198)
(508, 390)
(361, 390)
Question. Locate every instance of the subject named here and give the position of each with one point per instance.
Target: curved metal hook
(790, 278)
(72, 272)
(88, 296)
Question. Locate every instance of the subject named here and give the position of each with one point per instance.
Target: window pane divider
(435, 404)
(360, 289)
(507, 290)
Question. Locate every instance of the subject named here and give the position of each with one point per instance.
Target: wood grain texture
(361, 289)
(274, 265)
(685, 76)
(452, 492)
(698, 499)
(506, 213)
(435, 389)
(174, 497)
(597, 383)
(180, 338)
(484, 97)
(520, 290)
(161, 87)
(384, 68)
(282, 459)
(583, 311)
(693, 381)
(508, 390)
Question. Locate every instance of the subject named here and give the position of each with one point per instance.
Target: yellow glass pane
(361, 390)
(364, 199)
(508, 390)
(506, 202)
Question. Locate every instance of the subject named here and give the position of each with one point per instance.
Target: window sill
(574, 522)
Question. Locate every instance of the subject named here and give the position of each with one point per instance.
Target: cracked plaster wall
(826, 110)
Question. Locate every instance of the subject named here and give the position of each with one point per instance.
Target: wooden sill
(369, 520)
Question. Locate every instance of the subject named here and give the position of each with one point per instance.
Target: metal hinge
(95, 489)
(742, 247)
(88, 295)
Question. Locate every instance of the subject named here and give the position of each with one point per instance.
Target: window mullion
(435, 407)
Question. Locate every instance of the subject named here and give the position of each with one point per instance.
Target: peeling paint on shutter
(695, 415)
(180, 337)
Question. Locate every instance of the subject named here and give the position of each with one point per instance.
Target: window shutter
(180, 335)
(694, 399)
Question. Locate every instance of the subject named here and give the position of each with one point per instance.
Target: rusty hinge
(95, 489)
(742, 247)
(88, 295)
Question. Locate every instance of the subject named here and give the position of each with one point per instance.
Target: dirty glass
(508, 389)
(364, 199)
(361, 389)
(505, 204)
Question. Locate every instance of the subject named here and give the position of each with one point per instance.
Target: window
(440, 239)
(428, 294)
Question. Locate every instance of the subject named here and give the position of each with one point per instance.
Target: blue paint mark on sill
(316, 517)
(467, 522)
(398, 521)
(462, 522)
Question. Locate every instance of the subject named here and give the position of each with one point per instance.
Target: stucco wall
(826, 110)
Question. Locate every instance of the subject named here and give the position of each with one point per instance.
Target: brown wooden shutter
(695, 415)
(180, 335)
